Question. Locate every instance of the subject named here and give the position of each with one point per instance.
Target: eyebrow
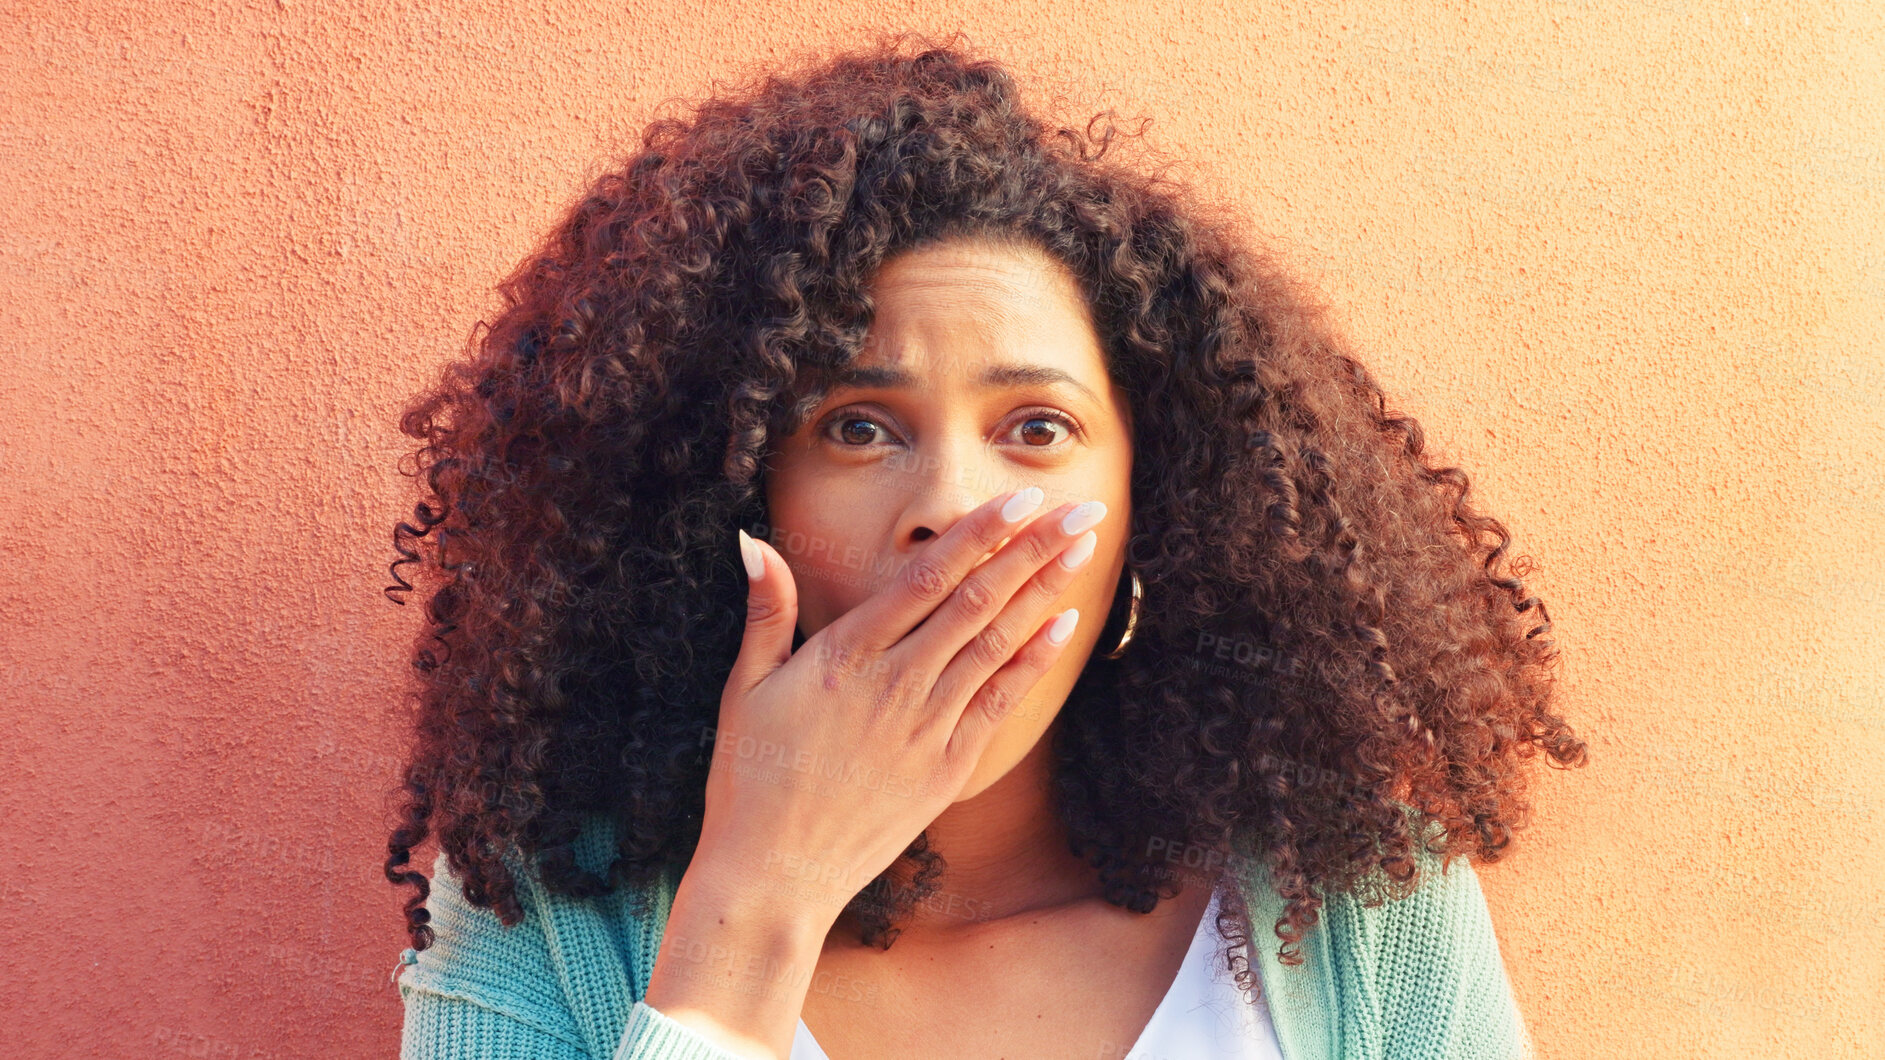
(876, 377)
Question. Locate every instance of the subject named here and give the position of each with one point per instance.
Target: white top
(1202, 1016)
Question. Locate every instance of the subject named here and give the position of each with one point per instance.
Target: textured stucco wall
(1622, 259)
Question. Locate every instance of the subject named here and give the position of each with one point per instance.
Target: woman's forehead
(975, 305)
(1008, 270)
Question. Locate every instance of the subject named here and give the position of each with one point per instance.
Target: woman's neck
(1005, 852)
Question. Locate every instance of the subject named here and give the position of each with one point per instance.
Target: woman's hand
(829, 761)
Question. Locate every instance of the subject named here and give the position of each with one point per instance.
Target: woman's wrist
(735, 962)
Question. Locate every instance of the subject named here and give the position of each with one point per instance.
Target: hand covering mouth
(991, 552)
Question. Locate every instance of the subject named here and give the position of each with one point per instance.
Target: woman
(1096, 619)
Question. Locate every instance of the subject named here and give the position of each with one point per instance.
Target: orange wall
(1623, 259)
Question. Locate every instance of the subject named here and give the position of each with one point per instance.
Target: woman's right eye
(854, 429)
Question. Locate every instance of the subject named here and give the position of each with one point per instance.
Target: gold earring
(1132, 617)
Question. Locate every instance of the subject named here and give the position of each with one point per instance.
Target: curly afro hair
(1332, 663)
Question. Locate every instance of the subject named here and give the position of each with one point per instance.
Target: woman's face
(983, 374)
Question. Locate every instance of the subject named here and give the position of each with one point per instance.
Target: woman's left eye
(1037, 428)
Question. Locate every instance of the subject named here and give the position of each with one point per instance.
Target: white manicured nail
(1084, 517)
(1022, 503)
(1080, 551)
(750, 555)
(1063, 626)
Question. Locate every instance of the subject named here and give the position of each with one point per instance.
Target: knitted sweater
(1416, 979)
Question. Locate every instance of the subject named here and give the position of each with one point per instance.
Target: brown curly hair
(1332, 663)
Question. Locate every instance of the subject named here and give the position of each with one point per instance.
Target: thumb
(771, 616)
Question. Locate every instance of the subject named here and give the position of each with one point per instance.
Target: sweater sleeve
(1438, 983)
(484, 991)
(441, 1027)
(651, 1035)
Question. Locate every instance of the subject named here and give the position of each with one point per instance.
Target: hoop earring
(1132, 617)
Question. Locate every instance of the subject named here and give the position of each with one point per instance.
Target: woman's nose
(955, 477)
(943, 498)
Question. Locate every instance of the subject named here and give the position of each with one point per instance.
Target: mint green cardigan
(1417, 979)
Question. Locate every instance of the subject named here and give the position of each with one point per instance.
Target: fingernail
(1063, 626)
(1022, 503)
(1084, 517)
(1080, 551)
(749, 554)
